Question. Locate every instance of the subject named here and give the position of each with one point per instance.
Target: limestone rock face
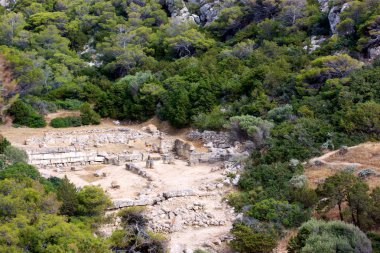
(324, 5)
(374, 52)
(209, 12)
(4, 3)
(334, 16)
(206, 11)
(179, 11)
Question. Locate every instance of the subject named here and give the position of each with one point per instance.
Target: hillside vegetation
(295, 77)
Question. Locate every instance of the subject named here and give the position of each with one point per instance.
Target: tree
(92, 201)
(11, 26)
(176, 102)
(327, 67)
(335, 236)
(343, 187)
(67, 194)
(184, 40)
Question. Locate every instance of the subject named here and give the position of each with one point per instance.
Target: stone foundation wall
(120, 135)
(63, 157)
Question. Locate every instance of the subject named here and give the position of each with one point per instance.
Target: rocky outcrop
(209, 12)
(315, 43)
(373, 53)
(334, 16)
(4, 3)
(204, 12)
(178, 10)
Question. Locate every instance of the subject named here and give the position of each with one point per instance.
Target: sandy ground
(366, 155)
(130, 183)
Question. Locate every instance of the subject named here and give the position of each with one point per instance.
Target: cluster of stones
(168, 220)
(218, 140)
(145, 198)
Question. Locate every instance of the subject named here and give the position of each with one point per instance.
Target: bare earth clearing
(363, 156)
(193, 213)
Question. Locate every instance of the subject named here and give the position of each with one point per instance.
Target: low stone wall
(139, 171)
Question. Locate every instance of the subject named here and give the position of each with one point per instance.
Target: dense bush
(25, 115)
(68, 104)
(19, 171)
(281, 212)
(248, 241)
(15, 155)
(335, 236)
(88, 116)
(69, 121)
(3, 144)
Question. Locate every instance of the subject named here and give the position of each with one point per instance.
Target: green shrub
(24, 115)
(317, 236)
(214, 120)
(66, 122)
(15, 155)
(69, 104)
(20, 170)
(248, 241)
(375, 239)
(88, 115)
(3, 144)
(280, 212)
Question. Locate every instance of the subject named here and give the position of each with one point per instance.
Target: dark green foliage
(273, 178)
(375, 239)
(246, 72)
(20, 171)
(88, 116)
(280, 212)
(69, 121)
(92, 201)
(69, 104)
(4, 143)
(25, 115)
(248, 241)
(67, 194)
